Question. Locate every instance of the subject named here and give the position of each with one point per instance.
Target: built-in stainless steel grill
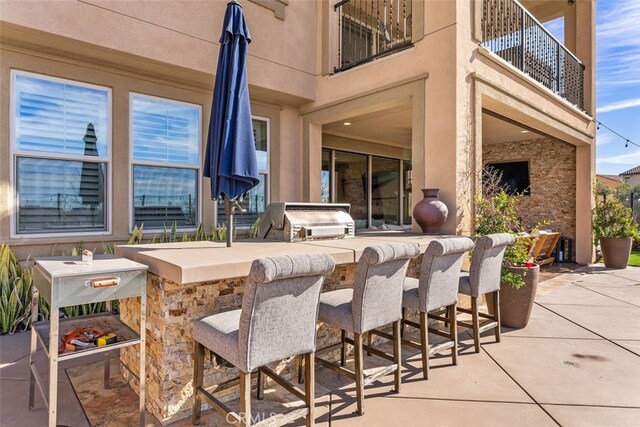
(295, 222)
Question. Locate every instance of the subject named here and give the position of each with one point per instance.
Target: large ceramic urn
(430, 213)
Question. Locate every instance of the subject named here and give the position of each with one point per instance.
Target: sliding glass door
(351, 184)
(376, 187)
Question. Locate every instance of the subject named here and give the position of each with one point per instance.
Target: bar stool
(277, 321)
(484, 278)
(374, 301)
(437, 287)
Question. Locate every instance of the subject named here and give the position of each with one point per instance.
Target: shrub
(15, 293)
(612, 219)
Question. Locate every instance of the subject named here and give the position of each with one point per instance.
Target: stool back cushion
(440, 272)
(280, 308)
(377, 290)
(486, 263)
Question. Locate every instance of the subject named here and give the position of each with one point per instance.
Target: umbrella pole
(229, 209)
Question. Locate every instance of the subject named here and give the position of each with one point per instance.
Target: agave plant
(15, 293)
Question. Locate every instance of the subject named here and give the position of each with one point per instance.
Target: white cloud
(620, 105)
(605, 139)
(617, 36)
(632, 158)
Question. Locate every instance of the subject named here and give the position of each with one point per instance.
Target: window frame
(132, 162)
(267, 173)
(15, 153)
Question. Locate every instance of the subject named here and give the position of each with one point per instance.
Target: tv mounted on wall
(515, 176)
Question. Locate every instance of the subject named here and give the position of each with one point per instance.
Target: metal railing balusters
(369, 29)
(511, 32)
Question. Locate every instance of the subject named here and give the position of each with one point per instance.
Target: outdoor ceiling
(545, 10)
(495, 130)
(390, 127)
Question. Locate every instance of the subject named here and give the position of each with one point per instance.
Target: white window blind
(60, 153)
(165, 162)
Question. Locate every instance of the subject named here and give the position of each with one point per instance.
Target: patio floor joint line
(587, 329)
(521, 387)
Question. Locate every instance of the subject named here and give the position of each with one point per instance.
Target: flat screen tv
(515, 176)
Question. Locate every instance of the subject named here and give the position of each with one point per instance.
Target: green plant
(84, 309)
(612, 219)
(497, 213)
(15, 293)
(253, 231)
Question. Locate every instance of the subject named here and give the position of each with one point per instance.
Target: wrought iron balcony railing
(370, 29)
(512, 33)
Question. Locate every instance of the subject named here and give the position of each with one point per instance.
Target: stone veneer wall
(552, 172)
(171, 309)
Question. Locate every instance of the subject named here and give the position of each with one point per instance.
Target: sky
(618, 84)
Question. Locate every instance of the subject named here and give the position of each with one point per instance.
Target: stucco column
(311, 161)
(585, 157)
(418, 152)
(585, 49)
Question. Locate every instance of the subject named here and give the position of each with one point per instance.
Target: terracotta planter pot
(516, 304)
(615, 251)
(430, 213)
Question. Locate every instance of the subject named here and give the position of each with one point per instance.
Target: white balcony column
(311, 161)
(579, 38)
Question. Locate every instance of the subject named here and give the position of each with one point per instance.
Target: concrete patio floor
(576, 364)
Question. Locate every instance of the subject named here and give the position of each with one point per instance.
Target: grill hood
(297, 221)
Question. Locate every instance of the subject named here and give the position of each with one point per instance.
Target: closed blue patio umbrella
(230, 159)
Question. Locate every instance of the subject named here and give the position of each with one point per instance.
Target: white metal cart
(67, 281)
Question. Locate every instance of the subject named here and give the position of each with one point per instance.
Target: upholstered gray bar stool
(436, 288)
(277, 321)
(374, 301)
(484, 278)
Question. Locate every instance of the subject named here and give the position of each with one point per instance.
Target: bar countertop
(191, 262)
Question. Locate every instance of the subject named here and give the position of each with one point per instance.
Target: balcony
(371, 29)
(511, 32)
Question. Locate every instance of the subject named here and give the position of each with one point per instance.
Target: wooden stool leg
(309, 387)
(198, 371)
(343, 350)
(300, 371)
(424, 344)
(496, 311)
(245, 399)
(453, 331)
(475, 320)
(359, 369)
(260, 391)
(404, 317)
(397, 359)
(447, 315)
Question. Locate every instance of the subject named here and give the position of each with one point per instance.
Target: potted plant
(614, 229)
(497, 213)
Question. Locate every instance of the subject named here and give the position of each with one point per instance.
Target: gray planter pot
(615, 251)
(516, 304)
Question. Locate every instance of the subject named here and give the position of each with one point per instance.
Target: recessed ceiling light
(347, 123)
(524, 131)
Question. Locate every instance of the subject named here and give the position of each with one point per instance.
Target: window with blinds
(60, 154)
(165, 162)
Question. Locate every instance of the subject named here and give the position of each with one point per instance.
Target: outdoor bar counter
(189, 280)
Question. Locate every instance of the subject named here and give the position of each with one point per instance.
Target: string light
(627, 140)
